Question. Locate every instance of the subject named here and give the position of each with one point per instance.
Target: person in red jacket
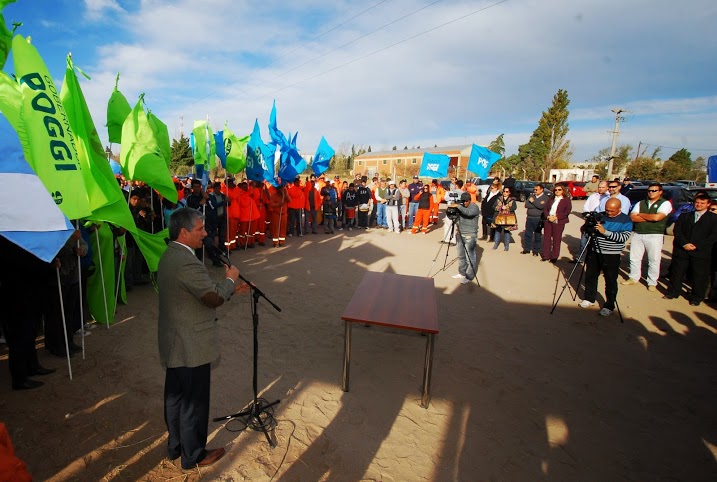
(256, 189)
(248, 216)
(312, 205)
(296, 204)
(424, 198)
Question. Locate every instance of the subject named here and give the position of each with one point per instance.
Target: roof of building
(414, 152)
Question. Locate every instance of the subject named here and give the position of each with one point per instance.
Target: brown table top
(394, 300)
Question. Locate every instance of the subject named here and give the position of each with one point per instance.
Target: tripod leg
(347, 357)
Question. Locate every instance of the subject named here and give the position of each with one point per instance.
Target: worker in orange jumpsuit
(425, 205)
(472, 189)
(438, 193)
(312, 205)
(258, 226)
(248, 216)
(296, 206)
(278, 210)
(233, 211)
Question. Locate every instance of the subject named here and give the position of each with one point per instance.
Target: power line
(677, 148)
(379, 50)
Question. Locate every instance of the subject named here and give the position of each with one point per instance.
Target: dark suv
(680, 197)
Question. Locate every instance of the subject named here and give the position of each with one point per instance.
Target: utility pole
(615, 133)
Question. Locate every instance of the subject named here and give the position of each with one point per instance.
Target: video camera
(592, 219)
(452, 213)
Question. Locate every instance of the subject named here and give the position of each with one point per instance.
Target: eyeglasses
(558, 189)
(653, 190)
(614, 187)
(506, 190)
(713, 210)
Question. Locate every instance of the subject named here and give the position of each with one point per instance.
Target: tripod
(259, 414)
(592, 242)
(454, 224)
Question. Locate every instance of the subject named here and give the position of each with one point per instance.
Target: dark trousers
(699, 269)
(217, 228)
(532, 241)
(186, 412)
(551, 240)
(294, 222)
(609, 265)
(54, 333)
(487, 230)
(19, 329)
(363, 219)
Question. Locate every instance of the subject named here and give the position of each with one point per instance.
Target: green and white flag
(117, 111)
(235, 149)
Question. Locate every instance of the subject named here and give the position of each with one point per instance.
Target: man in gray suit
(188, 337)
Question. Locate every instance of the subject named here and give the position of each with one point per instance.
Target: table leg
(427, 368)
(347, 357)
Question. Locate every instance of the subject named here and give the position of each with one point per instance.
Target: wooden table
(396, 301)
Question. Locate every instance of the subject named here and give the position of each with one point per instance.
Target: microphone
(216, 252)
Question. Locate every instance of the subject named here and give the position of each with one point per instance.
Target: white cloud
(101, 9)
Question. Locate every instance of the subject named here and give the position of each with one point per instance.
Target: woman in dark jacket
(504, 205)
(556, 214)
(487, 207)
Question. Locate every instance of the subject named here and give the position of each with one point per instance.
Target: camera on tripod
(452, 213)
(592, 219)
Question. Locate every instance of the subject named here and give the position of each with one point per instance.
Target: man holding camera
(465, 215)
(608, 232)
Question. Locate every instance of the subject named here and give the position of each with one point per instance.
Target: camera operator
(452, 197)
(595, 203)
(608, 231)
(466, 216)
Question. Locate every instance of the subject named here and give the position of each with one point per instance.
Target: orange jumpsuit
(422, 215)
(438, 193)
(233, 210)
(278, 210)
(248, 217)
(259, 225)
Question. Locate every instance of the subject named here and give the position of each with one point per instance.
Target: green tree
(181, 154)
(699, 169)
(643, 168)
(498, 145)
(394, 148)
(369, 148)
(678, 166)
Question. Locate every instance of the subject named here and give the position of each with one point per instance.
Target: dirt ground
(517, 393)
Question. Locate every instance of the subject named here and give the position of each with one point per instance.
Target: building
(573, 174)
(402, 164)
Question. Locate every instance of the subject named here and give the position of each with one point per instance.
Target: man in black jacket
(695, 233)
(534, 205)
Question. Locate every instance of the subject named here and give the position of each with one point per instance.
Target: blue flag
(221, 152)
(481, 160)
(434, 165)
(322, 158)
(712, 169)
(259, 158)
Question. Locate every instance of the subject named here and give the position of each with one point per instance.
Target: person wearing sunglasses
(505, 208)
(424, 200)
(555, 213)
(695, 234)
(649, 218)
(613, 189)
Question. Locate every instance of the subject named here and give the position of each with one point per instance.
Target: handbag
(505, 220)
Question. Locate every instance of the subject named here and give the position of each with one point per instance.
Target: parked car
(575, 188)
(482, 185)
(679, 196)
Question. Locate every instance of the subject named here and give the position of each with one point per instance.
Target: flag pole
(117, 284)
(102, 276)
(64, 325)
(79, 289)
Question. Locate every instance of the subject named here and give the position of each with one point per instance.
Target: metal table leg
(427, 368)
(347, 357)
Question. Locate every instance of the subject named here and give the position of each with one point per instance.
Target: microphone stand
(258, 415)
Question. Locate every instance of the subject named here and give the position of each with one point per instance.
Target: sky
(385, 73)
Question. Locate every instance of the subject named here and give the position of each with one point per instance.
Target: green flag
(152, 246)
(140, 155)
(106, 199)
(10, 99)
(203, 133)
(45, 133)
(235, 149)
(5, 34)
(162, 134)
(117, 111)
(122, 242)
(97, 296)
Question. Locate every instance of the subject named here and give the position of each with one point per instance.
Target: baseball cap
(415, 177)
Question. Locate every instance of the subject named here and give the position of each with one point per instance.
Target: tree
(643, 168)
(369, 148)
(181, 154)
(498, 145)
(699, 169)
(678, 166)
(394, 148)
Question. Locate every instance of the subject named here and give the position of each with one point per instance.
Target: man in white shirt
(649, 218)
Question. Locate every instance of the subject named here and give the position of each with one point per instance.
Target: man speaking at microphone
(188, 337)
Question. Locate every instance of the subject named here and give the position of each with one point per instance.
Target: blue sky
(397, 72)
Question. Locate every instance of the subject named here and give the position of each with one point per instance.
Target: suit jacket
(188, 298)
(564, 209)
(702, 234)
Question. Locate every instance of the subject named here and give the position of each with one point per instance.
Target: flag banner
(122, 244)
(322, 158)
(5, 34)
(140, 156)
(236, 149)
(10, 99)
(434, 165)
(152, 246)
(96, 295)
(291, 164)
(260, 158)
(481, 160)
(204, 149)
(36, 224)
(116, 168)
(45, 134)
(712, 169)
(162, 134)
(221, 152)
(104, 193)
(117, 111)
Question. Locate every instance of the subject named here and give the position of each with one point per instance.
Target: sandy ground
(517, 393)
